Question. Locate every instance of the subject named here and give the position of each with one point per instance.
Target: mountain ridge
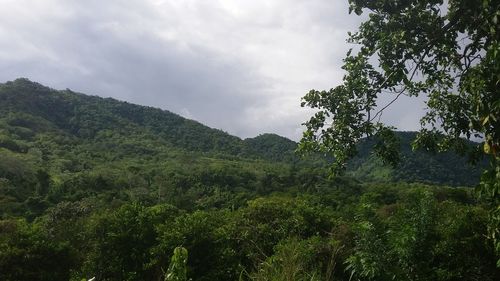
(116, 126)
(69, 113)
(96, 187)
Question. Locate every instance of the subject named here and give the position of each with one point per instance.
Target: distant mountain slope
(272, 147)
(416, 166)
(60, 146)
(59, 124)
(87, 116)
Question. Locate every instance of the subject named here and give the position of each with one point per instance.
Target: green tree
(412, 237)
(177, 270)
(296, 259)
(210, 255)
(370, 259)
(448, 52)
(28, 253)
(122, 242)
(43, 184)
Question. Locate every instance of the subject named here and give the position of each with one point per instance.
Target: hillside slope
(120, 129)
(62, 145)
(93, 187)
(415, 166)
(272, 147)
(87, 117)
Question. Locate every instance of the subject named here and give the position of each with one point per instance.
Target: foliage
(410, 232)
(309, 259)
(123, 242)
(28, 253)
(96, 187)
(273, 147)
(414, 166)
(177, 270)
(447, 51)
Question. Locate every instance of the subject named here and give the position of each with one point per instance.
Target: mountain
(89, 117)
(95, 187)
(272, 147)
(415, 166)
(29, 108)
(65, 146)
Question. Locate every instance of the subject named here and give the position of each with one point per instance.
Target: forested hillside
(32, 114)
(90, 117)
(416, 166)
(61, 145)
(98, 187)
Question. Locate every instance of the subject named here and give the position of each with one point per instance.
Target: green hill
(64, 146)
(30, 109)
(35, 107)
(95, 187)
(271, 147)
(61, 145)
(415, 166)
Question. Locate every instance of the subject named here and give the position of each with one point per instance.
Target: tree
(177, 270)
(28, 253)
(449, 52)
(122, 242)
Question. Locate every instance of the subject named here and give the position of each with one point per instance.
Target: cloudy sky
(237, 65)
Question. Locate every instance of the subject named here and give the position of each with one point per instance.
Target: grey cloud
(240, 66)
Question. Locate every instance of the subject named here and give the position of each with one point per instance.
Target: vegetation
(372, 232)
(93, 187)
(415, 166)
(447, 51)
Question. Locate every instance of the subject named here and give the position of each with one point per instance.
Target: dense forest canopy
(93, 187)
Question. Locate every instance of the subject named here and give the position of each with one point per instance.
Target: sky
(237, 65)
